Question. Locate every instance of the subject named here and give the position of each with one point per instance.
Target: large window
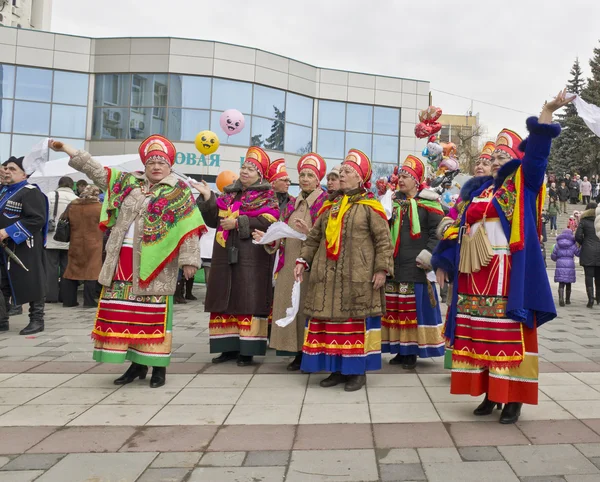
(36, 103)
(372, 129)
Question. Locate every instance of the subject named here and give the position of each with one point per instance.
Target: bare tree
(468, 146)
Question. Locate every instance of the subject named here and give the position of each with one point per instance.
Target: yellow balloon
(207, 142)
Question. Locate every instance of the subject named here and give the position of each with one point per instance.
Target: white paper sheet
(280, 230)
(590, 114)
(292, 311)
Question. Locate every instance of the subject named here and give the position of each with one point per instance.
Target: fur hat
(276, 170)
(157, 146)
(15, 160)
(361, 163)
(260, 159)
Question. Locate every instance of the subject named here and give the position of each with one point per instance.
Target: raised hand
(202, 188)
(559, 101)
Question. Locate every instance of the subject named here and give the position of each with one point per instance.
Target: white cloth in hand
(292, 311)
(279, 230)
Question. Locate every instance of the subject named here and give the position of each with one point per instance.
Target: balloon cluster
(428, 124)
(384, 183)
(232, 122)
(434, 152)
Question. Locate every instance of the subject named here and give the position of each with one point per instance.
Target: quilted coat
(564, 253)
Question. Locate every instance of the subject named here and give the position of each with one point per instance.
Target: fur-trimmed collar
(472, 185)
(427, 194)
(260, 185)
(588, 213)
(505, 171)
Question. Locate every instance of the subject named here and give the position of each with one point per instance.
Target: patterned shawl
(170, 218)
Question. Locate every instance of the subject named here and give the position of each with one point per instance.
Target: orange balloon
(225, 178)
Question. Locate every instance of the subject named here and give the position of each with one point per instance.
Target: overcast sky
(514, 53)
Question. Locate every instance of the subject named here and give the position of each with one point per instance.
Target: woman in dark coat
(239, 291)
(574, 191)
(590, 252)
(563, 196)
(563, 254)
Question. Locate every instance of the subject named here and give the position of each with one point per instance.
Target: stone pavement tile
(397, 456)
(403, 413)
(267, 458)
(398, 395)
(317, 394)
(84, 439)
(558, 431)
(335, 413)
(402, 472)
(181, 438)
(579, 366)
(36, 380)
(93, 380)
(545, 410)
(272, 368)
(99, 467)
(20, 476)
(19, 396)
(470, 471)
(275, 396)
(279, 381)
(442, 394)
(583, 409)
(570, 392)
(480, 454)
(4, 461)
(396, 380)
(41, 415)
(433, 380)
(176, 459)
(550, 379)
(547, 367)
(588, 378)
(329, 465)
(238, 474)
(16, 440)
(140, 395)
(191, 415)
(63, 367)
(253, 437)
(230, 368)
(462, 412)
(73, 396)
(334, 436)
(544, 460)
(589, 450)
(164, 475)
(214, 396)
(223, 459)
(264, 414)
(438, 455)
(470, 434)
(117, 415)
(411, 435)
(5, 376)
(6, 408)
(543, 478)
(23, 351)
(33, 462)
(220, 381)
(595, 461)
(106, 368)
(594, 424)
(581, 478)
(187, 368)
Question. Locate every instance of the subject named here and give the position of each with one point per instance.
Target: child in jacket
(563, 254)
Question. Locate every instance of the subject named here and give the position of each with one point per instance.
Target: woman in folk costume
(280, 182)
(501, 293)
(349, 254)
(240, 291)
(155, 228)
(412, 325)
(300, 216)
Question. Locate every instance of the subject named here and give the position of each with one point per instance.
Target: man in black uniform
(23, 229)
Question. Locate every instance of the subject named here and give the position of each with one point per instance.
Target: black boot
(568, 294)
(36, 319)
(561, 294)
(510, 413)
(294, 366)
(355, 382)
(3, 325)
(486, 407)
(226, 356)
(398, 359)
(590, 295)
(410, 362)
(244, 360)
(179, 298)
(189, 284)
(135, 370)
(159, 377)
(332, 380)
(15, 310)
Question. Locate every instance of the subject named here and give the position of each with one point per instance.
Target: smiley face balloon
(207, 142)
(232, 122)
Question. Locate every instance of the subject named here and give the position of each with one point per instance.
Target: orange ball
(225, 178)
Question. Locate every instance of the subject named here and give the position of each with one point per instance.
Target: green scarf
(412, 207)
(170, 218)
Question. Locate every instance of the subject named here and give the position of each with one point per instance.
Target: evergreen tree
(257, 140)
(591, 94)
(568, 150)
(275, 140)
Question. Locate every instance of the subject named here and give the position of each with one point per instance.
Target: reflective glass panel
(381, 170)
(385, 149)
(4, 147)
(229, 94)
(112, 90)
(34, 84)
(241, 139)
(359, 118)
(21, 145)
(330, 144)
(189, 91)
(68, 121)
(6, 108)
(298, 139)
(267, 133)
(7, 81)
(70, 88)
(184, 124)
(386, 121)
(148, 90)
(146, 121)
(110, 123)
(332, 115)
(299, 109)
(32, 118)
(268, 102)
(358, 141)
